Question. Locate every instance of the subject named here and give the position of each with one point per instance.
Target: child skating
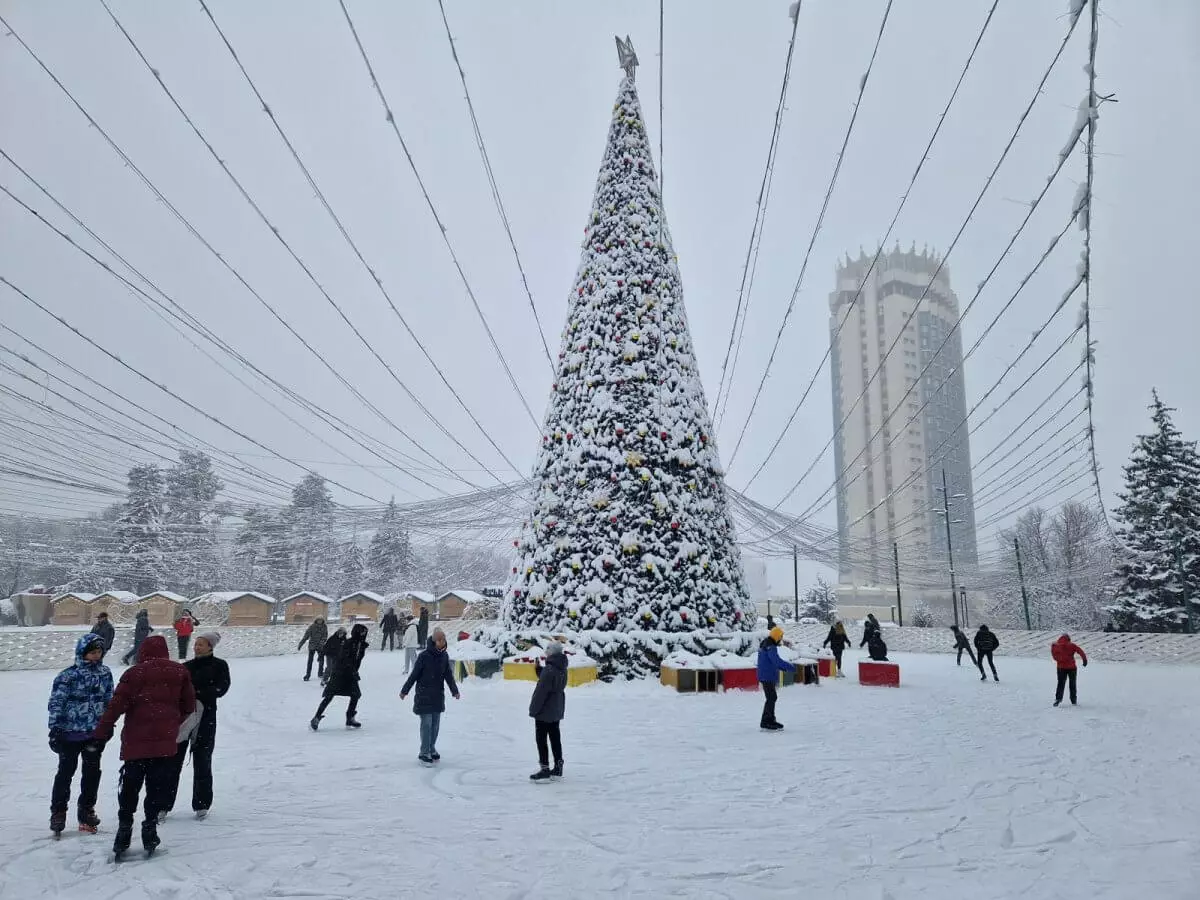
(1064, 651)
(769, 667)
(77, 701)
(547, 708)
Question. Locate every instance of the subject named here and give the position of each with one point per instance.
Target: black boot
(58, 821)
(352, 722)
(556, 772)
(150, 839)
(315, 722)
(89, 822)
(122, 840)
(542, 775)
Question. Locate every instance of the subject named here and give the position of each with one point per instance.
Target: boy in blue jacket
(769, 667)
(77, 702)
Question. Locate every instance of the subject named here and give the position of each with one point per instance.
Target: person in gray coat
(547, 708)
(141, 631)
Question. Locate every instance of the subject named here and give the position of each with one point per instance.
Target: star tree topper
(627, 56)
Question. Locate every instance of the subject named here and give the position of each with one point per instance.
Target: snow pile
(470, 649)
(575, 659)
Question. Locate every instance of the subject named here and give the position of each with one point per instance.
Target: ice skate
(557, 771)
(541, 776)
(201, 815)
(58, 822)
(315, 722)
(89, 822)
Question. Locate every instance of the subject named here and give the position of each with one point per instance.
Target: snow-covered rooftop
(421, 596)
(85, 598)
(309, 595)
(467, 596)
(166, 595)
(230, 596)
(119, 596)
(366, 595)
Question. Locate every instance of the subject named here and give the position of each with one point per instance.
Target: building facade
(896, 431)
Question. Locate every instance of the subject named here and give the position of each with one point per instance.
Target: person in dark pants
(986, 643)
(184, 626)
(210, 679)
(390, 625)
(961, 643)
(423, 627)
(870, 627)
(343, 677)
(1064, 652)
(77, 701)
(155, 696)
(333, 649)
(547, 707)
(315, 636)
(769, 667)
(141, 631)
(105, 630)
(876, 648)
(431, 674)
(837, 640)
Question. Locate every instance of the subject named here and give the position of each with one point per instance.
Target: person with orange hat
(769, 667)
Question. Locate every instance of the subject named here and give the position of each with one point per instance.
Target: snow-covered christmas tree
(630, 545)
(1160, 527)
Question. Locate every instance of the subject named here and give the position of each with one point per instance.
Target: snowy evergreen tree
(140, 532)
(390, 555)
(630, 530)
(249, 547)
(276, 574)
(1159, 516)
(311, 519)
(350, 574)
(189, 513)
(820, 602)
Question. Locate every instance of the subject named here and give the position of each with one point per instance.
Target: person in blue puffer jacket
(77, 701)
(769, 667)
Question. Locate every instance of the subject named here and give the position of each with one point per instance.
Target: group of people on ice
(184, 626)
(170, 709)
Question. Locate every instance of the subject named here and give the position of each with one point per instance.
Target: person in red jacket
(155, 696)
(1064, 652)
(184, 626)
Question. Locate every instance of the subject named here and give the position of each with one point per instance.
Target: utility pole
(949, 547)
(796, 579)
(1021, 576)
(896, 560)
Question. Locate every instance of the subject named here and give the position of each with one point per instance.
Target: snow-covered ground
(946, 788)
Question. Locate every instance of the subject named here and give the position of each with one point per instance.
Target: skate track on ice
(948, 787)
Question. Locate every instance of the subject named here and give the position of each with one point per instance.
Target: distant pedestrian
(344, 678)
(986, 643)
(141, 631)
(1064, 652)
(871, 626)
(77, 701)
(155, 696)
(431, 674)
(423, 627)
(837, 641)
(390, 625)
(876, 648)
(105, 630)
(184, 626)
(961, 643)
(769, 666)
(547, 708)
(315, 636)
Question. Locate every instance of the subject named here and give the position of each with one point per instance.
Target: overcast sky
(543, 76)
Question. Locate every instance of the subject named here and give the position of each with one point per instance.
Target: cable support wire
(491, 175)
(760, 212)
(837, 168)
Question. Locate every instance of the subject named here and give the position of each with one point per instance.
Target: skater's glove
(1085, 663)
(56, 740)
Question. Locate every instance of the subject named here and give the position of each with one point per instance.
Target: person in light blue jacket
(77, 701)
(769, 667)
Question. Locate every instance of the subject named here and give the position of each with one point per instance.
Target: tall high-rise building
(891, 452)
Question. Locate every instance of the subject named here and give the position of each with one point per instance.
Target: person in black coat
(105, 630)
(837, 641)
(423, 627)
(210, 678)
(315, 636)
(390, 625)
(331, 652)
(961, 643)
(141, 631)
(870, 627)
(986, 643)
(547, 707)
(431, 674)
(343, 678)
(876, 648)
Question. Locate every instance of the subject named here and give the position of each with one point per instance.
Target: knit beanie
(554, 649)
(212, 637)
(776, 634)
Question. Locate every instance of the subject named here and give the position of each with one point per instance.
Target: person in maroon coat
(155, 696)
